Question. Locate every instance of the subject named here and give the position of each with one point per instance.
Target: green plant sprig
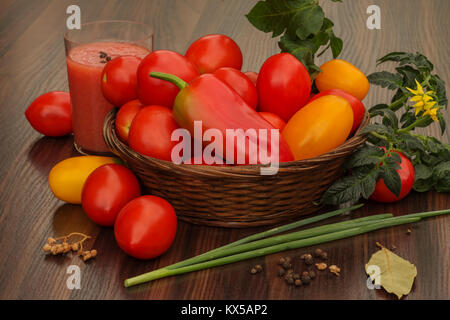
(303, 28)
(293, 240)
(413, 82)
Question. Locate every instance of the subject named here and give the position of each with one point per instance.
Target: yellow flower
(432, 112)
(423, 100)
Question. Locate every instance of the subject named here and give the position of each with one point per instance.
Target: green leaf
(422, 172)
(441, 174)
(374, 111)
(336, 45)
(386, 80)
(439, 86)
(350, 188)
(378, 128)
(366, 155)
(404, 58)
(442, 123)
(390, 175)
(409, 76)
(308, 21)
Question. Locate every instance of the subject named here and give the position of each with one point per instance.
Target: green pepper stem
(180, 83)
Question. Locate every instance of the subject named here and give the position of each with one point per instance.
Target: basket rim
(121, 149)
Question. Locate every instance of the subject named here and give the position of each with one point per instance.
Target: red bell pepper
(217, 106)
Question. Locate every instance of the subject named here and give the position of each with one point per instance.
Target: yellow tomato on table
(67, 178)
(340, 74)
(319, 127)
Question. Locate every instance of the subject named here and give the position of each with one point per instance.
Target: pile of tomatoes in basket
(218, 93)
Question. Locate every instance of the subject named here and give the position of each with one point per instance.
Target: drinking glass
(87, 51)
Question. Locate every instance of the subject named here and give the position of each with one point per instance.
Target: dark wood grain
(32, 62)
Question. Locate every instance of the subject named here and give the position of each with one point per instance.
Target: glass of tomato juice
(87, 51)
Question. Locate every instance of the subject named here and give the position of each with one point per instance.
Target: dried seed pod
(408, 232)
(306, 256)
(312, 274)
(305, 273)
(298, 282)
(66, 247)
(334, 269)
(93, 253)
(253, 271)
(86, 256)
(287, 265)
(281, 272)
(51, 240)
(290, 271)
(321, 266)
(54, 250)
(288, 259)
(296, 276)
(75, 246)
(324, 255)
(281, 261)
(47, 247)
(318, 253)
(290, 280)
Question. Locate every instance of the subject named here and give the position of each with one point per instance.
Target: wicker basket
(236, 196)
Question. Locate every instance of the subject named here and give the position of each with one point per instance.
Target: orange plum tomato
(340, 74)
(319, 127)
(356, 104)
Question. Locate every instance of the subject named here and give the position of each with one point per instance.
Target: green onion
(243, 251)
(266, 234)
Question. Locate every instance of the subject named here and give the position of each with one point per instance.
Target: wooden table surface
(32, 62)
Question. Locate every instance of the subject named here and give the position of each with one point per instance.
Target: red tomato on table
(406, 173)
(125, 116)
(214, 51)
(119, 80)
(106, 190)
(283, 85)
(240, 83)
(151, 131)
(355, 103)
(155, 91)
(145, 228)
(51, 114)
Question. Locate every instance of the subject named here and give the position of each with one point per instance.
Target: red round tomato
(253, 76)
(151, 131)
(157, 91)
(51, 114)
(406, 173)
(145, 228)
(355, 103)
(283, 85)
(240, 83)
(119, 80)
(214, 51)
(106, 190)
(273, 119)
(124, 118)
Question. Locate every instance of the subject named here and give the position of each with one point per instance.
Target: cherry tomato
(240, 83)
(340, 74)
(151, 131)
(124, 118)
(106, 190)
(253, 76)
(356, 104)
(214, 51)
(51, 114)
(406, 173)
(283, 85)
(119, 80)
(319, 127)
(274, 120)
(145, 228)
(160, 92)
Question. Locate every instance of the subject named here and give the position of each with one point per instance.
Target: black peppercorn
(306, 279)
(296, 276)
(287, 265)
(312, 274)
(324, 255)
(290, 280)
(318, 253)
(281, 272)
(258, 268)
(309, 261)
(281, 261)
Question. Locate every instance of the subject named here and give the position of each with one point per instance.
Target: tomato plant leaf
(395, 274)
(386, 79)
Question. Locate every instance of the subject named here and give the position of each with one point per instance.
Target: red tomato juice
(89, 106)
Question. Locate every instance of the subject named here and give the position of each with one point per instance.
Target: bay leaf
(395, 274)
